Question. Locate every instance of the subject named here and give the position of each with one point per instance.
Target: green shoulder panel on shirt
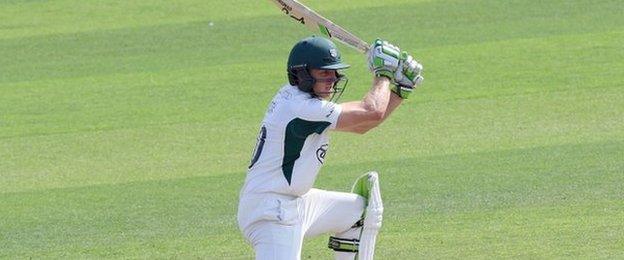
(297, 131)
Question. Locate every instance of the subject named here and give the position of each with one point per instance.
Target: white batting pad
(372, 219)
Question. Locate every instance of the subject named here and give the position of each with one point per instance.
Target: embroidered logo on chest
(320, 153)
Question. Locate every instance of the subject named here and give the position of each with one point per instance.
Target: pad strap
(343, 245)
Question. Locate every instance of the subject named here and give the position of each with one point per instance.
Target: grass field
(126, 126)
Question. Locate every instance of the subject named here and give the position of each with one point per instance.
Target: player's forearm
(377, 104)
(378, 97)
(393, 103)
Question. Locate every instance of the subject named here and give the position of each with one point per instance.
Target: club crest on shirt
(320, 153)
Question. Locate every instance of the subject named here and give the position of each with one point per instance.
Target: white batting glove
(383, 59)
(407, 77)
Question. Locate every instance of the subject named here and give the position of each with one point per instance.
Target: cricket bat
(320, 24)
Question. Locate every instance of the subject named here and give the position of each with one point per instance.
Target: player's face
(325, 80)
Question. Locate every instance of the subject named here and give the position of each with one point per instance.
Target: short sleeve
(320, 110)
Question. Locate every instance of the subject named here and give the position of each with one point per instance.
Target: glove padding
(387, 60)
(407, 77)
(383, 59)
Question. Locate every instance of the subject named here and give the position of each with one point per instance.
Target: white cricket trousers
(275, 225)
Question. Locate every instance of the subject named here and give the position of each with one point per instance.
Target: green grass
(126, 127)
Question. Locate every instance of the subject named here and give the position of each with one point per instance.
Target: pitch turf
(126, 126)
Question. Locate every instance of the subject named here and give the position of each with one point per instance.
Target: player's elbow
(376, 114)
(373, 119)
(370, 111)
(363, 129)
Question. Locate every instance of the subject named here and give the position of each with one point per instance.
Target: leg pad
(367, 186)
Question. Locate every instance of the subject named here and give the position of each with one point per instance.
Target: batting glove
(407, 77)
(383, 59)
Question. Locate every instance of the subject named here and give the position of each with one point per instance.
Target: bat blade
(320, 24)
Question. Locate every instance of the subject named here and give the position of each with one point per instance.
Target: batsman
(278, 205)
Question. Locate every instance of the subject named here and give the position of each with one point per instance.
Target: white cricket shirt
(292, 143)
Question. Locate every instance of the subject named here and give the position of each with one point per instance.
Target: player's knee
(352, 208)
(359, 204)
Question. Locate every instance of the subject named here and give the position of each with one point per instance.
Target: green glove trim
(385, 73)
(392, 52)
(400, 91)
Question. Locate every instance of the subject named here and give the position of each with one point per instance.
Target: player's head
(313, 66)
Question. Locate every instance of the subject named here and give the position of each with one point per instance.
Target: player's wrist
(401, 91)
